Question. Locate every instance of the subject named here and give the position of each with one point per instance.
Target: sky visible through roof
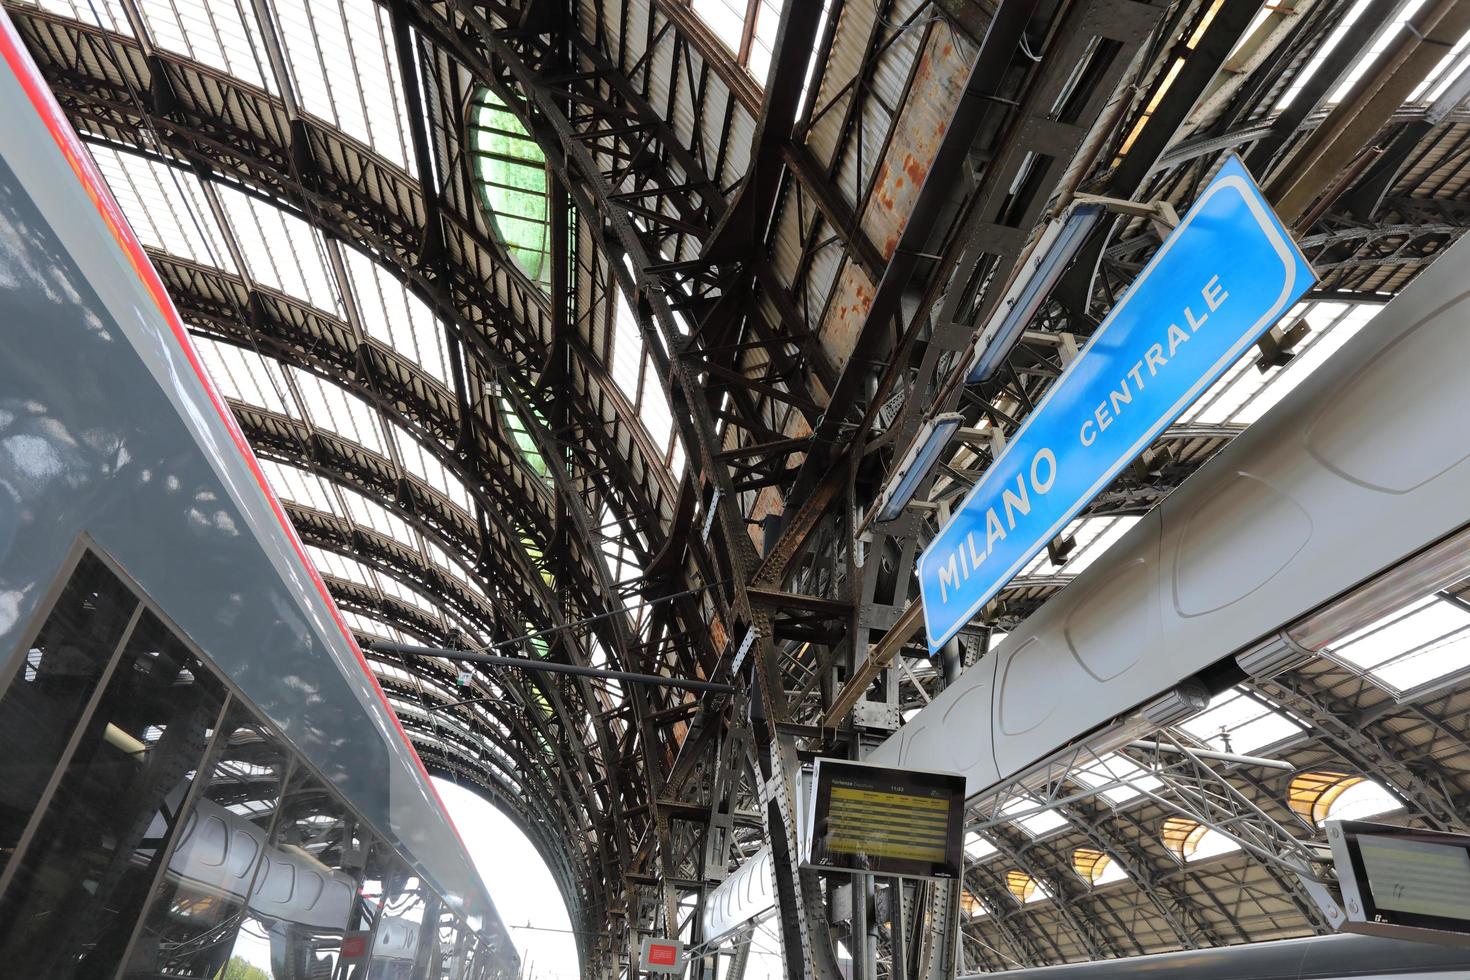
(519, 884)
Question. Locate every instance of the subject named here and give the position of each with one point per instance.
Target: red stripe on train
(51, 114)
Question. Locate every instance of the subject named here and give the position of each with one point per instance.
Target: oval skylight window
(510, 172)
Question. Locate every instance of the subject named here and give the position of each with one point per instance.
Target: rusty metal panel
(921, 126)
(846, 313)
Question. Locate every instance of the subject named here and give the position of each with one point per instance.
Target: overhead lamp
(920, 458)
(1437, 567)
(1434, 569)
(1054, 251)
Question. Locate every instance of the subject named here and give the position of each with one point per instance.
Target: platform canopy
(589, 331)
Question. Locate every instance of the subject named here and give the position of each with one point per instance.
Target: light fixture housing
(917, 461)
(1054, 252)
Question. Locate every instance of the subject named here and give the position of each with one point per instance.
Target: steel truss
(805, 606)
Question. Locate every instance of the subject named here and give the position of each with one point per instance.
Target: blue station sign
(1219, 281)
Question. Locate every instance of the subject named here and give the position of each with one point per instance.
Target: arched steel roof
(741, 334)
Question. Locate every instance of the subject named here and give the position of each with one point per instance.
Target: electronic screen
(877, 820)
(1397, 881)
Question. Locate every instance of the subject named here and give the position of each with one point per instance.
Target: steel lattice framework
(658, 453)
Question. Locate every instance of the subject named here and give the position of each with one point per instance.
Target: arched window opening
(1024, 888)
(1096, 867)
(1189, 840)
(510, 171)
(973, 905)
(519, 434)
(1320, 796)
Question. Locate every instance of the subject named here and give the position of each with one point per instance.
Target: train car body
(114, 442)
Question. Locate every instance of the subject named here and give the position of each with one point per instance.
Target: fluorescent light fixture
(920, 458)
(1436, 567)
(1058, 245)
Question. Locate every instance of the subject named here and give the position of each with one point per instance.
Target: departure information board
(876, 820)
(1402, 882)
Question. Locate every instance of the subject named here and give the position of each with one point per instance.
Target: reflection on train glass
(153, 825)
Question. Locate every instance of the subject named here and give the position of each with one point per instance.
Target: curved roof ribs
(223, 130)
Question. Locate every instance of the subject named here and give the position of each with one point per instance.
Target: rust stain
(917, 171)
(917, 134)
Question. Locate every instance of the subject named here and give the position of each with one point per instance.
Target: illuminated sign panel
(873, 819)
(1403, 883)
(662, 956)
(1218, 282)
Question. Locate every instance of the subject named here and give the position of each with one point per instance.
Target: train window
(317, 866)
(406, 922)
(451, 948)
(198, 909)
(77, 885)
(52, 687)
(151, 819)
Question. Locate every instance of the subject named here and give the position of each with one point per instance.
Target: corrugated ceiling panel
(821, 280)
(737, 153)
(634, 36)
(684, 80)
(849, 41)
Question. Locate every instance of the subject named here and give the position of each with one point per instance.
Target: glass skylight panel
(1212, 844)
(1350, 30)
(1127, 779)
(1386, 36)
(107, 14)
(1243, 394)
(301, 487)
(654, 411)
(283, 251)
(395, 316)
(221, 35)
(245, 376)
(724, 18)
(767, 19)
(1094, 536)
(165, 207)
(1101, 534)
(977, 848)
(1111, 871)
(1455, 62)
(369, 513)
(1241, 723)
(511, 170)
(524, 442)
(620, 559)
(332, 408)
(442, 559)
(1324, 51)
(1362, 801)
(427, 467)
(1037, 824)
(372, 627)
(1411, 648)
(342, 60)
(627, 352)
(630, 365)
(342, 567)
(390, 586)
